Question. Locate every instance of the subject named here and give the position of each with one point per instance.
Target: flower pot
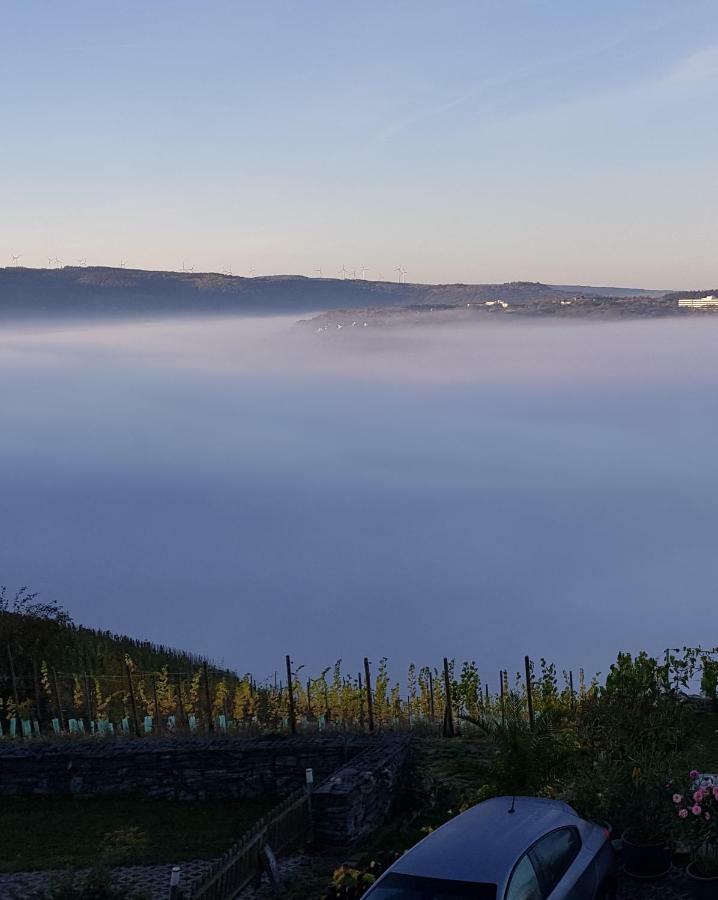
(701, 887)
(646, 860)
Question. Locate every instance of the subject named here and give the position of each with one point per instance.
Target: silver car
(522, 848)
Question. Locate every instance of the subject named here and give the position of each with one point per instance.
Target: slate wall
(358, 796)
(191, 768)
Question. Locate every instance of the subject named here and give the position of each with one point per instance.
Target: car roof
(483, 843)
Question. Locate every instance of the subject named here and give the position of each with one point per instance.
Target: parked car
(507, 848)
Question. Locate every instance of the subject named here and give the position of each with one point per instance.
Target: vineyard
(58, 678)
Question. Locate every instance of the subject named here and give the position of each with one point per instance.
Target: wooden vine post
(38, 693)
(503, 705)
(88, 698)
(156, 726)
(360, 684)
(448, 712)
(370, 705)
(207, 698)
(180, 702)
(13, 678)
(290, 693)
(133, 705)
(432, 712)
(58, 702)
(529, 691)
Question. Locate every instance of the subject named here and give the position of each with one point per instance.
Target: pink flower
(683, 813)
(715, 793)
(694, 773)
(698, 795)
(677, 798)
(696, 810)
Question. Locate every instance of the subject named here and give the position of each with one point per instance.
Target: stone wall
(358, 796)
(183, 768)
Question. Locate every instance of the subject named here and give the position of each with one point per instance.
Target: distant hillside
(608, 291)
(44, 652)
(99, 291)
(75, 648)
(675, 295)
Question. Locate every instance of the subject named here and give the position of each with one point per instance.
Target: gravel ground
(673, 887)
(155, 880)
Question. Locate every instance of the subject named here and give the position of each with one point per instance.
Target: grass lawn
(40, 833)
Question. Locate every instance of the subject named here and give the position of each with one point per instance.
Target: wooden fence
(286, 826)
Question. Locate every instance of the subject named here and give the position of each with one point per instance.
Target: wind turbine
(14, 258)
(363, 270)
(400, 273)
(252, 270)
(353, 274)
(123, 263)
(343, 271)
(82, 262)
(319, 272)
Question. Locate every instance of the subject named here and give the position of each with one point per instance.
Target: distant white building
(709, 302)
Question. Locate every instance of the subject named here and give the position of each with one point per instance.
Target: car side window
(524, 884)
(553, 854)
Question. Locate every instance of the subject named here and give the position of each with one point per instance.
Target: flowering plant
(696, 821)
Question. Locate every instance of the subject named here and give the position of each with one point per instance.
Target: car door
(564, 873)
(524, 883)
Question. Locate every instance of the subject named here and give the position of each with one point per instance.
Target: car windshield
(413, 887)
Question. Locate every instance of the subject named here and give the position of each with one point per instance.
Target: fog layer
(246, 489)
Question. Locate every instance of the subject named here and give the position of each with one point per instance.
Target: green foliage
(348, 877)
(123, 845)
(636, 679)
(98, 884)
(628, 742)
(529, 759)
(709, 679)
(467, 691)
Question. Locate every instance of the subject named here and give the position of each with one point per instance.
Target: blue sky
(468, 141)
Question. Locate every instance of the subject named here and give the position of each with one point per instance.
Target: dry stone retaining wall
(191, 768)
(358, 796)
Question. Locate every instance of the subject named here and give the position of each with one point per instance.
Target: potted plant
(696, 827)
(646, 842)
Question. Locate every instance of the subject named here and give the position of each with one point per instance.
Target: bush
(529, 760)
(629, 736)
